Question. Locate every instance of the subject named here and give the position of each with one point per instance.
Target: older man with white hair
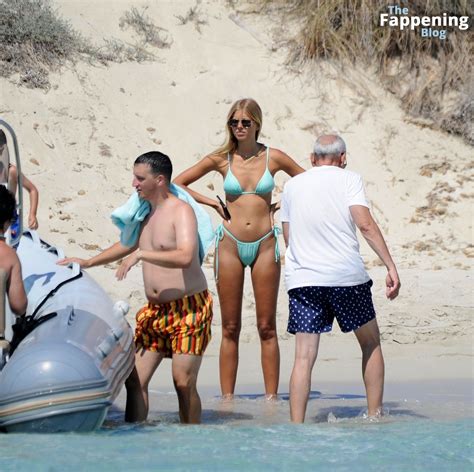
(324, 271)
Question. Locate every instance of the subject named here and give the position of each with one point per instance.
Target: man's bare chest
(158, 234)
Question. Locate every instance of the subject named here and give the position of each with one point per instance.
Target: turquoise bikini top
(265, 184)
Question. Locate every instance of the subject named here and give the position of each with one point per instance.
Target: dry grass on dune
(434, 78)
(36, 40)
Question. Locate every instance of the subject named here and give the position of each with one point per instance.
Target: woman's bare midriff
(250, 217)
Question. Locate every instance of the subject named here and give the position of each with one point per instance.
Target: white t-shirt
(323, 248)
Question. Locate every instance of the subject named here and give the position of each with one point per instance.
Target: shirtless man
(9, 261)
(176, 321)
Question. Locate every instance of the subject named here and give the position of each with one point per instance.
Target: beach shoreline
(433, 399)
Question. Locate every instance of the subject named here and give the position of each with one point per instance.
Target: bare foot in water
(271, 397)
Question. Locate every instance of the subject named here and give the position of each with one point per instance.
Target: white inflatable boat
(66, 372)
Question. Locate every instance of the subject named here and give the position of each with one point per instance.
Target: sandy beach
(78, 142)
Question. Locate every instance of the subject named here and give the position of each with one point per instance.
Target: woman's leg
(230, 289)
(266, 280)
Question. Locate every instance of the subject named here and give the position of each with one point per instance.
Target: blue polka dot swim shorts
(313, 309)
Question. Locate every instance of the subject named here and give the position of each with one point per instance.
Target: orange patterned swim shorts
(177, 327)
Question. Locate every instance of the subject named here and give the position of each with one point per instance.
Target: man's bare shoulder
(181, 215)
(180, 208)
(176, 208)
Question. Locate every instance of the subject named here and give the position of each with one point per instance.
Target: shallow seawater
(251, 434)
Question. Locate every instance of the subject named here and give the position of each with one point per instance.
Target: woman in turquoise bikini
(247, 238)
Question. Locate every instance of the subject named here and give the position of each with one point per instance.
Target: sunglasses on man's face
(245, 123)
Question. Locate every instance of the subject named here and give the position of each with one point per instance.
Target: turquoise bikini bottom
(247, 250)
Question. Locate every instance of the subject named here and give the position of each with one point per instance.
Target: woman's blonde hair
(253, 110)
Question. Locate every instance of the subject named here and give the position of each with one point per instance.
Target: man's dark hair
(7, 206)
(159, 163)
(3, 138)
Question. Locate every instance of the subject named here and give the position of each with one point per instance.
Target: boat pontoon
(66, 372)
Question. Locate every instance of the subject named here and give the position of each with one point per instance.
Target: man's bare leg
(146, 363)
(306, 351)
(373, 369)
(185, 368)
